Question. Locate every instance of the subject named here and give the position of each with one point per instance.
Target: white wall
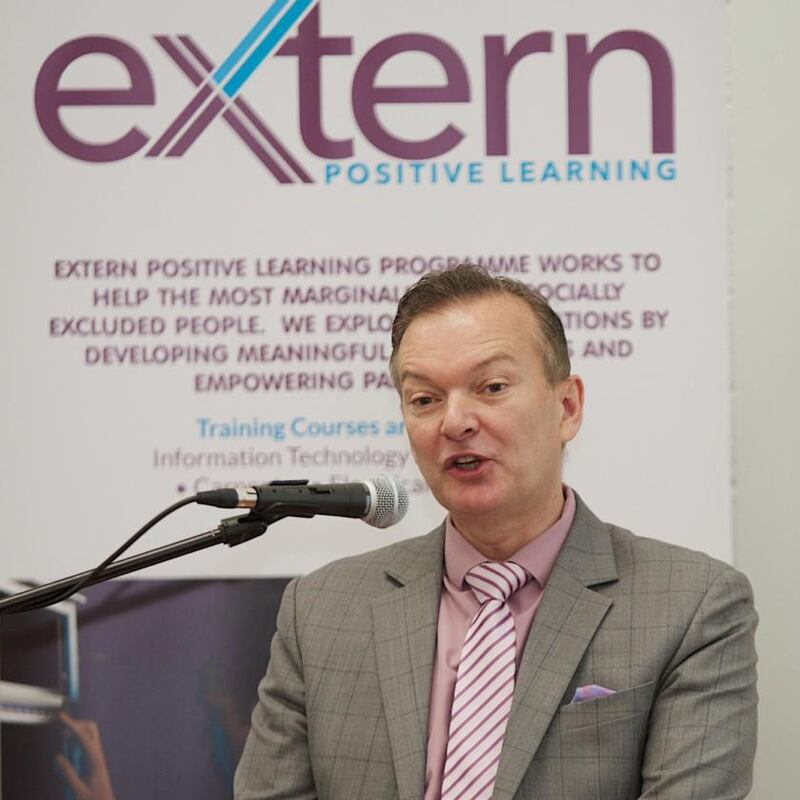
(765, 255)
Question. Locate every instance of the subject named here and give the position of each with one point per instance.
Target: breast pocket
(599, 744)
(606, 710)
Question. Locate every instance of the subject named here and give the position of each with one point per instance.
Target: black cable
(58, 596)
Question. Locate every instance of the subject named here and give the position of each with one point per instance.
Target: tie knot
(496, 580)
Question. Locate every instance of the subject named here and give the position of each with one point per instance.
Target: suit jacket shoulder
(595, 549)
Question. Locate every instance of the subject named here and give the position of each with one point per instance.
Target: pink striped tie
(484, 684)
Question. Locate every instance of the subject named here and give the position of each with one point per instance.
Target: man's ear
(570, 393)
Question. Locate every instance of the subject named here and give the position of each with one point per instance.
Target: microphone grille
(388, 502)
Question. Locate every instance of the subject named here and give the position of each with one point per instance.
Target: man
(524, 648)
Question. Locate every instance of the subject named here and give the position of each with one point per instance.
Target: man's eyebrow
(483, 364)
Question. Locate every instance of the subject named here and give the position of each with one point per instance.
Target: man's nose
(460, 419)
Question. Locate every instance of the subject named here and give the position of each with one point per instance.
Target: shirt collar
(538, 556)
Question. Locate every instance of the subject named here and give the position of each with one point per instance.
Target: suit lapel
(566, 620)
(404, 622)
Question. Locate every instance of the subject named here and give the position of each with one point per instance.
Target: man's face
(486, 427)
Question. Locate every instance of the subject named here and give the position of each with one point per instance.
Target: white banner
(211, 212)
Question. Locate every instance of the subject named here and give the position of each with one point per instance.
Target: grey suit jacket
(343, 709)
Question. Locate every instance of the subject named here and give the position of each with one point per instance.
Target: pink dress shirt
(458, 605)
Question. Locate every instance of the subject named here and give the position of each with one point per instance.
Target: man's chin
(472, 505)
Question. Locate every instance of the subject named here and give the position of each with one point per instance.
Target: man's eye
(420, 402)
(494, 388)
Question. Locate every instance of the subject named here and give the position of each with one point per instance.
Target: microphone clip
(243, 528)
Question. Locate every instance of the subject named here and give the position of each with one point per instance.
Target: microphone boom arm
(231, 531)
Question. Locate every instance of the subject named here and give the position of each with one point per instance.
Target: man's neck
(499, 535)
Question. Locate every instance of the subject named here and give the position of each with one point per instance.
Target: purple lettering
(581, 62)
(498, 68)
(49, 98)
(310, 47)
(366, 95)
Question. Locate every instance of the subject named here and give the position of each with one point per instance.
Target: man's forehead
(489, 309)
(500, 316)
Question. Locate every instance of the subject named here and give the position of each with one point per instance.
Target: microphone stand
(231, 531)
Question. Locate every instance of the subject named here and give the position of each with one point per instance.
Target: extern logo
(292, 28)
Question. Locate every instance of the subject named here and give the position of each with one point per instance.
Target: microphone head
(388, 501)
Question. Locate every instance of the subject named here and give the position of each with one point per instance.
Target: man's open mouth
(466, 463)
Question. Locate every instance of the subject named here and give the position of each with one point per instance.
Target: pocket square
(590, 692)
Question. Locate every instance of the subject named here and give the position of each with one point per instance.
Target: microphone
(380, 501)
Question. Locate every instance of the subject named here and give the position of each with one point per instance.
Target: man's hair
(438, 290)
